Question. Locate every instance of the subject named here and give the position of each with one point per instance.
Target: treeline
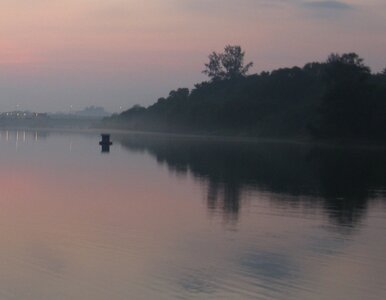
(338, 98)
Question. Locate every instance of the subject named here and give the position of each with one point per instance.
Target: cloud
(221, 6)
(328, 5)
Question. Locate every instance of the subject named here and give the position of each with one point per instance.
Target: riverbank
(116, 132)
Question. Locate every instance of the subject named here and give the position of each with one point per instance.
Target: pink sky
(114, 53)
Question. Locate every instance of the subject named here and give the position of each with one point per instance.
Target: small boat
(105, 140)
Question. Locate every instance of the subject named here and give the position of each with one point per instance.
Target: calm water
(187, 218)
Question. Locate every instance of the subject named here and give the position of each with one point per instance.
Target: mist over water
(163, 217)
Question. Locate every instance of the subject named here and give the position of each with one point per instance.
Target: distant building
(24, 115)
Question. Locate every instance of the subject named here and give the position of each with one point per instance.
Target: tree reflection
(346, 179)
(225, 198)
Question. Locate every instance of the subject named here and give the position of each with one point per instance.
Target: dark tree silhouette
(347, 105)
(348, 59)
(227, 65)
(337, 98)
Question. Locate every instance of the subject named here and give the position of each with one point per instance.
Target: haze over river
(172, 217)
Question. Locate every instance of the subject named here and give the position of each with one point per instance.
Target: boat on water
(105, 140)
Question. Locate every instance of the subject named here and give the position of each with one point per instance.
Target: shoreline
(301, 140)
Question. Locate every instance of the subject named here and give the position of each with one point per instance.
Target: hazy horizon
(54, 55)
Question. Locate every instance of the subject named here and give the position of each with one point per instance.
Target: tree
(384, 71)
(134, 110)
(352, 59)
(347, 104)
(227, 65)
(347, 67)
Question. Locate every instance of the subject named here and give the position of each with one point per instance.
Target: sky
(75, 53)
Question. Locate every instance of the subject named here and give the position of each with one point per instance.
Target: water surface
(189, 218)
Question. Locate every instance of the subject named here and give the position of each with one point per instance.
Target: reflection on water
(341, 180)
(189, 218)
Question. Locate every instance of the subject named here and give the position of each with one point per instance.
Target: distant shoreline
(305, 140)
